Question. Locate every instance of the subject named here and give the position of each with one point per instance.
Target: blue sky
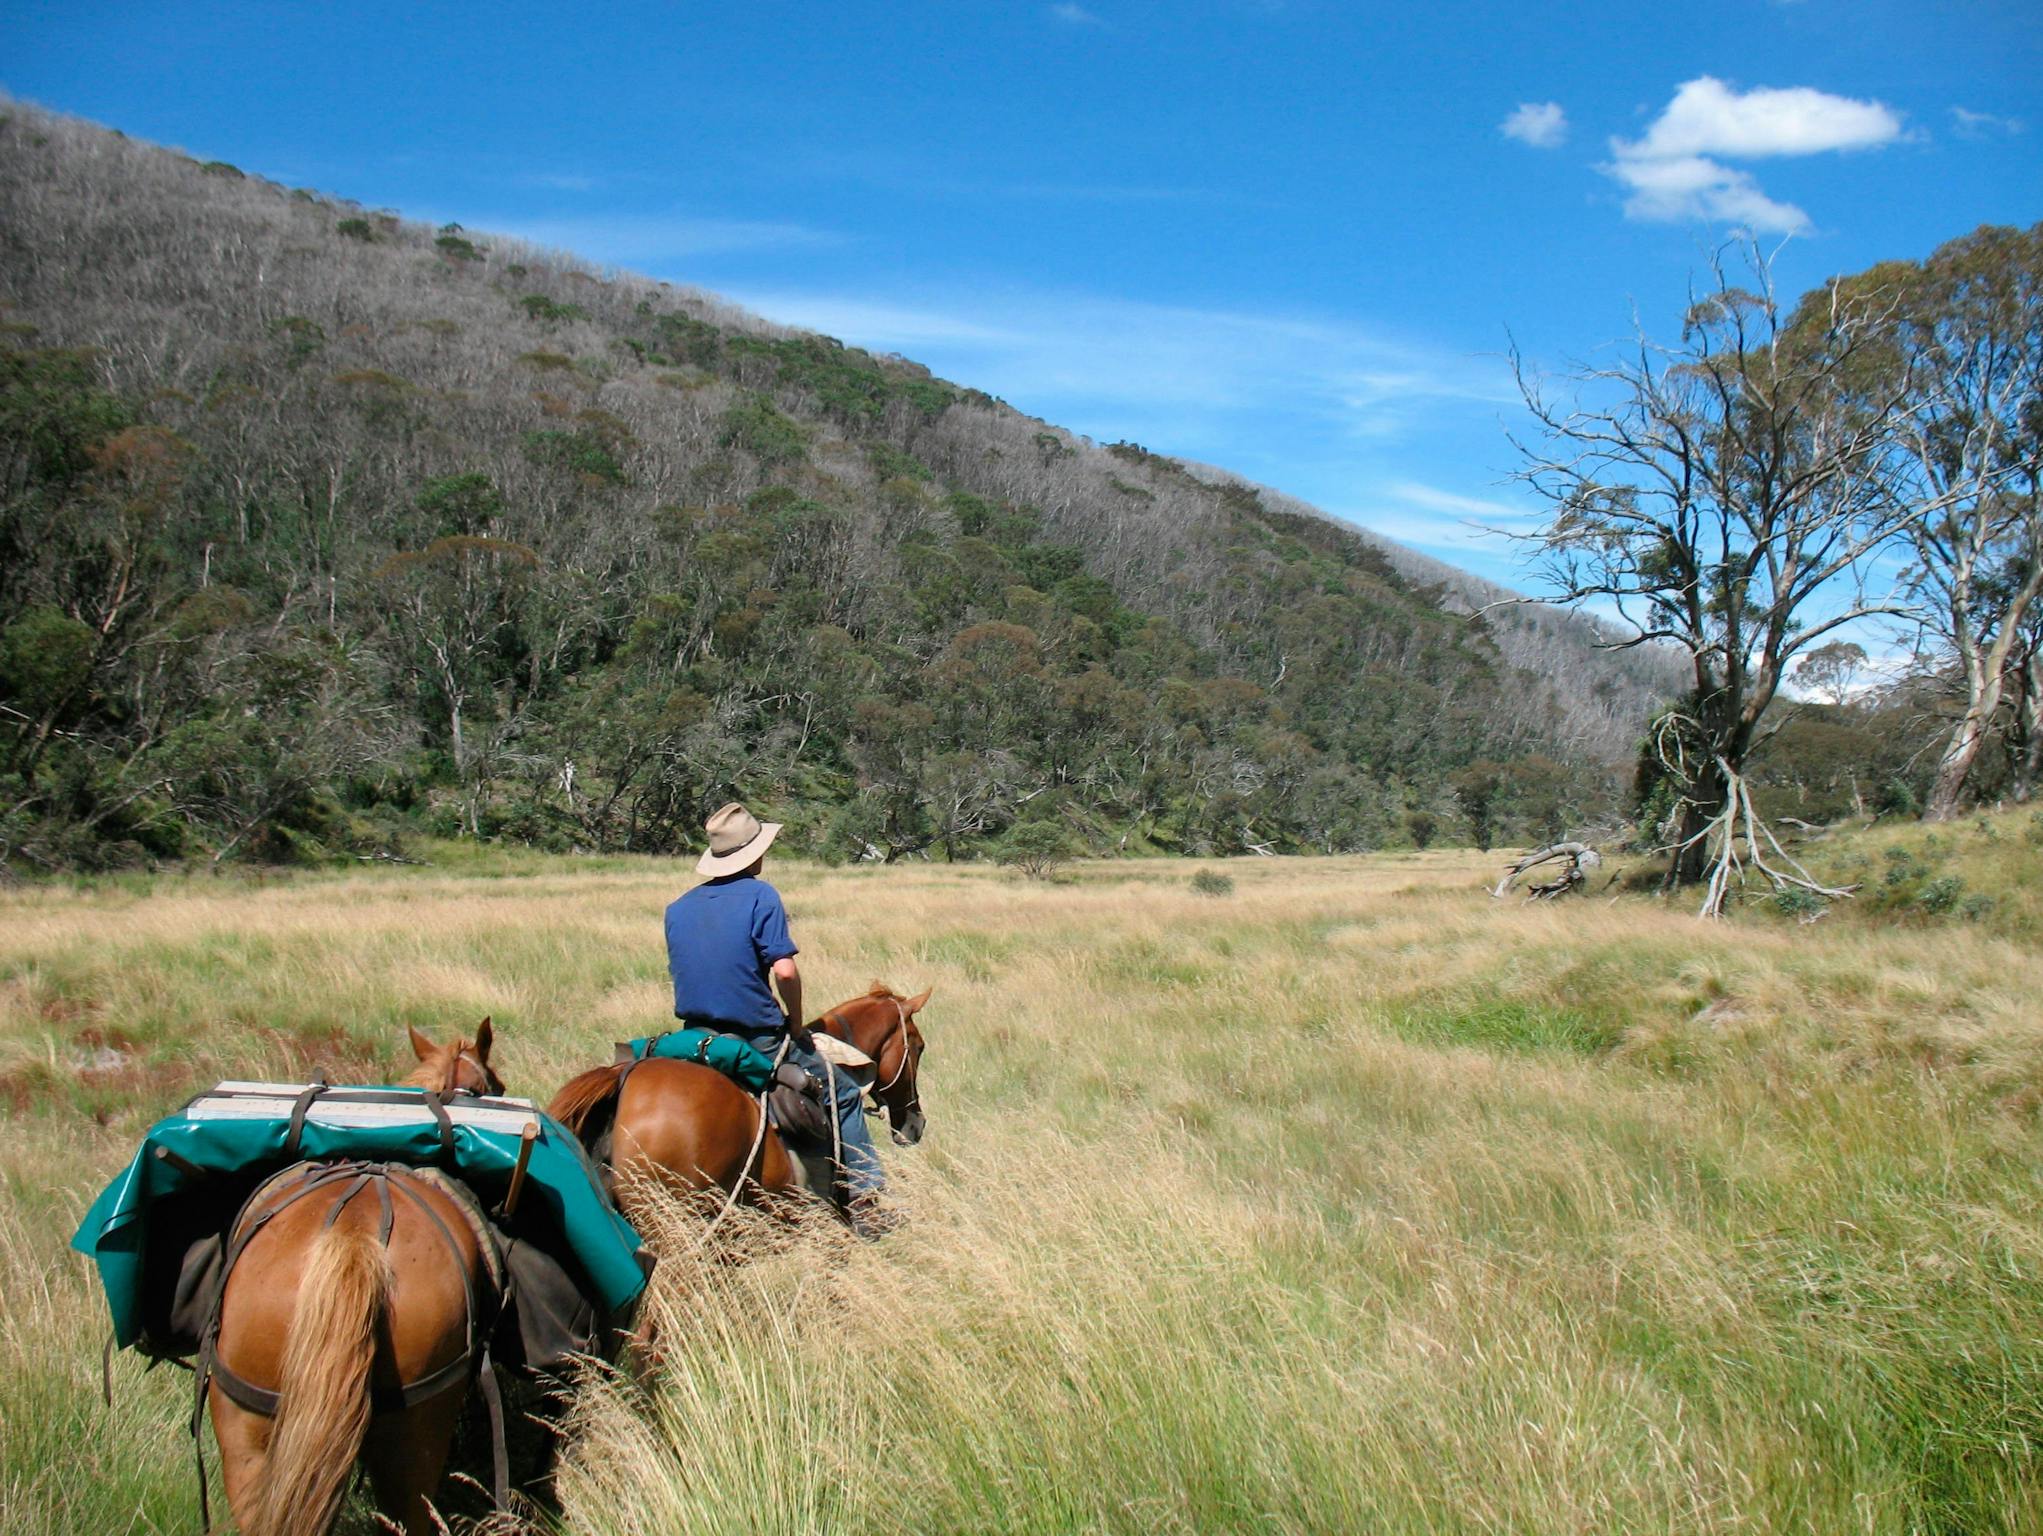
(1290, 238)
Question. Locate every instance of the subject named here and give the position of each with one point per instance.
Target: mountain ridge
(588, 544)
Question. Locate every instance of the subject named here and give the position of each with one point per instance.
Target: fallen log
(1578, 861)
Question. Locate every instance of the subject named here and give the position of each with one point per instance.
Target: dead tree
(1729, 498)
(1582, 861)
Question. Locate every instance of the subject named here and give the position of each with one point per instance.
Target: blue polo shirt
(722, 940)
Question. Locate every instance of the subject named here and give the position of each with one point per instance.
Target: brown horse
(336, 1305)
(697, 1130)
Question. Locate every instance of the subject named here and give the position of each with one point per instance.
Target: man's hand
(788, 1075)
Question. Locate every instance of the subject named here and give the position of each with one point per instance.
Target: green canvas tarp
(236, 1134)
(739, 1060)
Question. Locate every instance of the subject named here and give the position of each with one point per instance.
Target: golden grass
(1349, 1200)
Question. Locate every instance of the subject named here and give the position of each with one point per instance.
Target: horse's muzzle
(909, 1130)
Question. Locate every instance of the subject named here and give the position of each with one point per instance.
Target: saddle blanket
(739, 1060)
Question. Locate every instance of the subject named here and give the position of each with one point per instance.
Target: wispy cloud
(1427, 517)
(1983, 125)
(1075, 16)
(643, 239)
(1542, 124)
(1675, 170)
(1185, 375)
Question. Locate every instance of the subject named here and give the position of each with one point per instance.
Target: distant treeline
(321, 529)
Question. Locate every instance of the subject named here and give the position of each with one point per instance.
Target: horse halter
(487, 1082)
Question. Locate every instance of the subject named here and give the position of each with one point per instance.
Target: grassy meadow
(1345, 1199)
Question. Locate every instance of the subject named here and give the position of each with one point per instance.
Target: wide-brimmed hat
(736, 838)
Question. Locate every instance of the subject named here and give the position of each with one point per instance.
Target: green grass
(1353, 1202)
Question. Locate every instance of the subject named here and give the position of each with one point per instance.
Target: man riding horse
(728, 949)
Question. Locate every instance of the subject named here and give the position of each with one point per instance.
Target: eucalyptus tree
(1725, 495)
(1963, 341)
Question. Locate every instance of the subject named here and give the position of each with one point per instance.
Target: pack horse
(347, 1267)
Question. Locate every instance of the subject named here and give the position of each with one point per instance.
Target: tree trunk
(1694, 852)
(1960, 754)
(2028, 764)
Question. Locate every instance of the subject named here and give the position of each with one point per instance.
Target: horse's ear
(421, 1047)
(483, 1039)
(914, 1004)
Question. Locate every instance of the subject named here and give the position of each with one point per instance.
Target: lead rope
(836, 1138)
(758, 1141)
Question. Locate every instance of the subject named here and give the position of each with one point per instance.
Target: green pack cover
(562, 1205)
(739, 1060)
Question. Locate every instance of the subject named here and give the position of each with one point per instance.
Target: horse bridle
(467, 1054)
(899, 1032)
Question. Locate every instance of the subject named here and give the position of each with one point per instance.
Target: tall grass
(1356, 1201)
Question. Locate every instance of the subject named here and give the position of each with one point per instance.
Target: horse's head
(461, 1066)
(882, 1024)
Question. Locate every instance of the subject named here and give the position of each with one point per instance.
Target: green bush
(539, 307)
(356, 229)
(756, 425)
(45, 658)
(1940, 896)
(457, 249)
(1037, 848)
(1798, 903)
(578, 452)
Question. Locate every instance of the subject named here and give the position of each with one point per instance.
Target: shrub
(577, 451)
(1210, 882)
(1940, 896)
(302, 338)
(1802, 905)
(1037, 848)
(1899, 798)
(540, 307)
(757, 426)
(222, 168)
(356, 229)
(457, 249)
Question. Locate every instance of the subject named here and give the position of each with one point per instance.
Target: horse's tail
(323, 1399)
(587, 1103)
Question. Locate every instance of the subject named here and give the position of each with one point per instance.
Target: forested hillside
(321, 528)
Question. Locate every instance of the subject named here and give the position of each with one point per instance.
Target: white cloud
(1697, 187)
(1542, 124)
(1076, 15)
(1979, 125)
(1707, 117)
(1676, 170)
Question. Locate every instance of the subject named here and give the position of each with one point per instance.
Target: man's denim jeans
(862, 1172)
